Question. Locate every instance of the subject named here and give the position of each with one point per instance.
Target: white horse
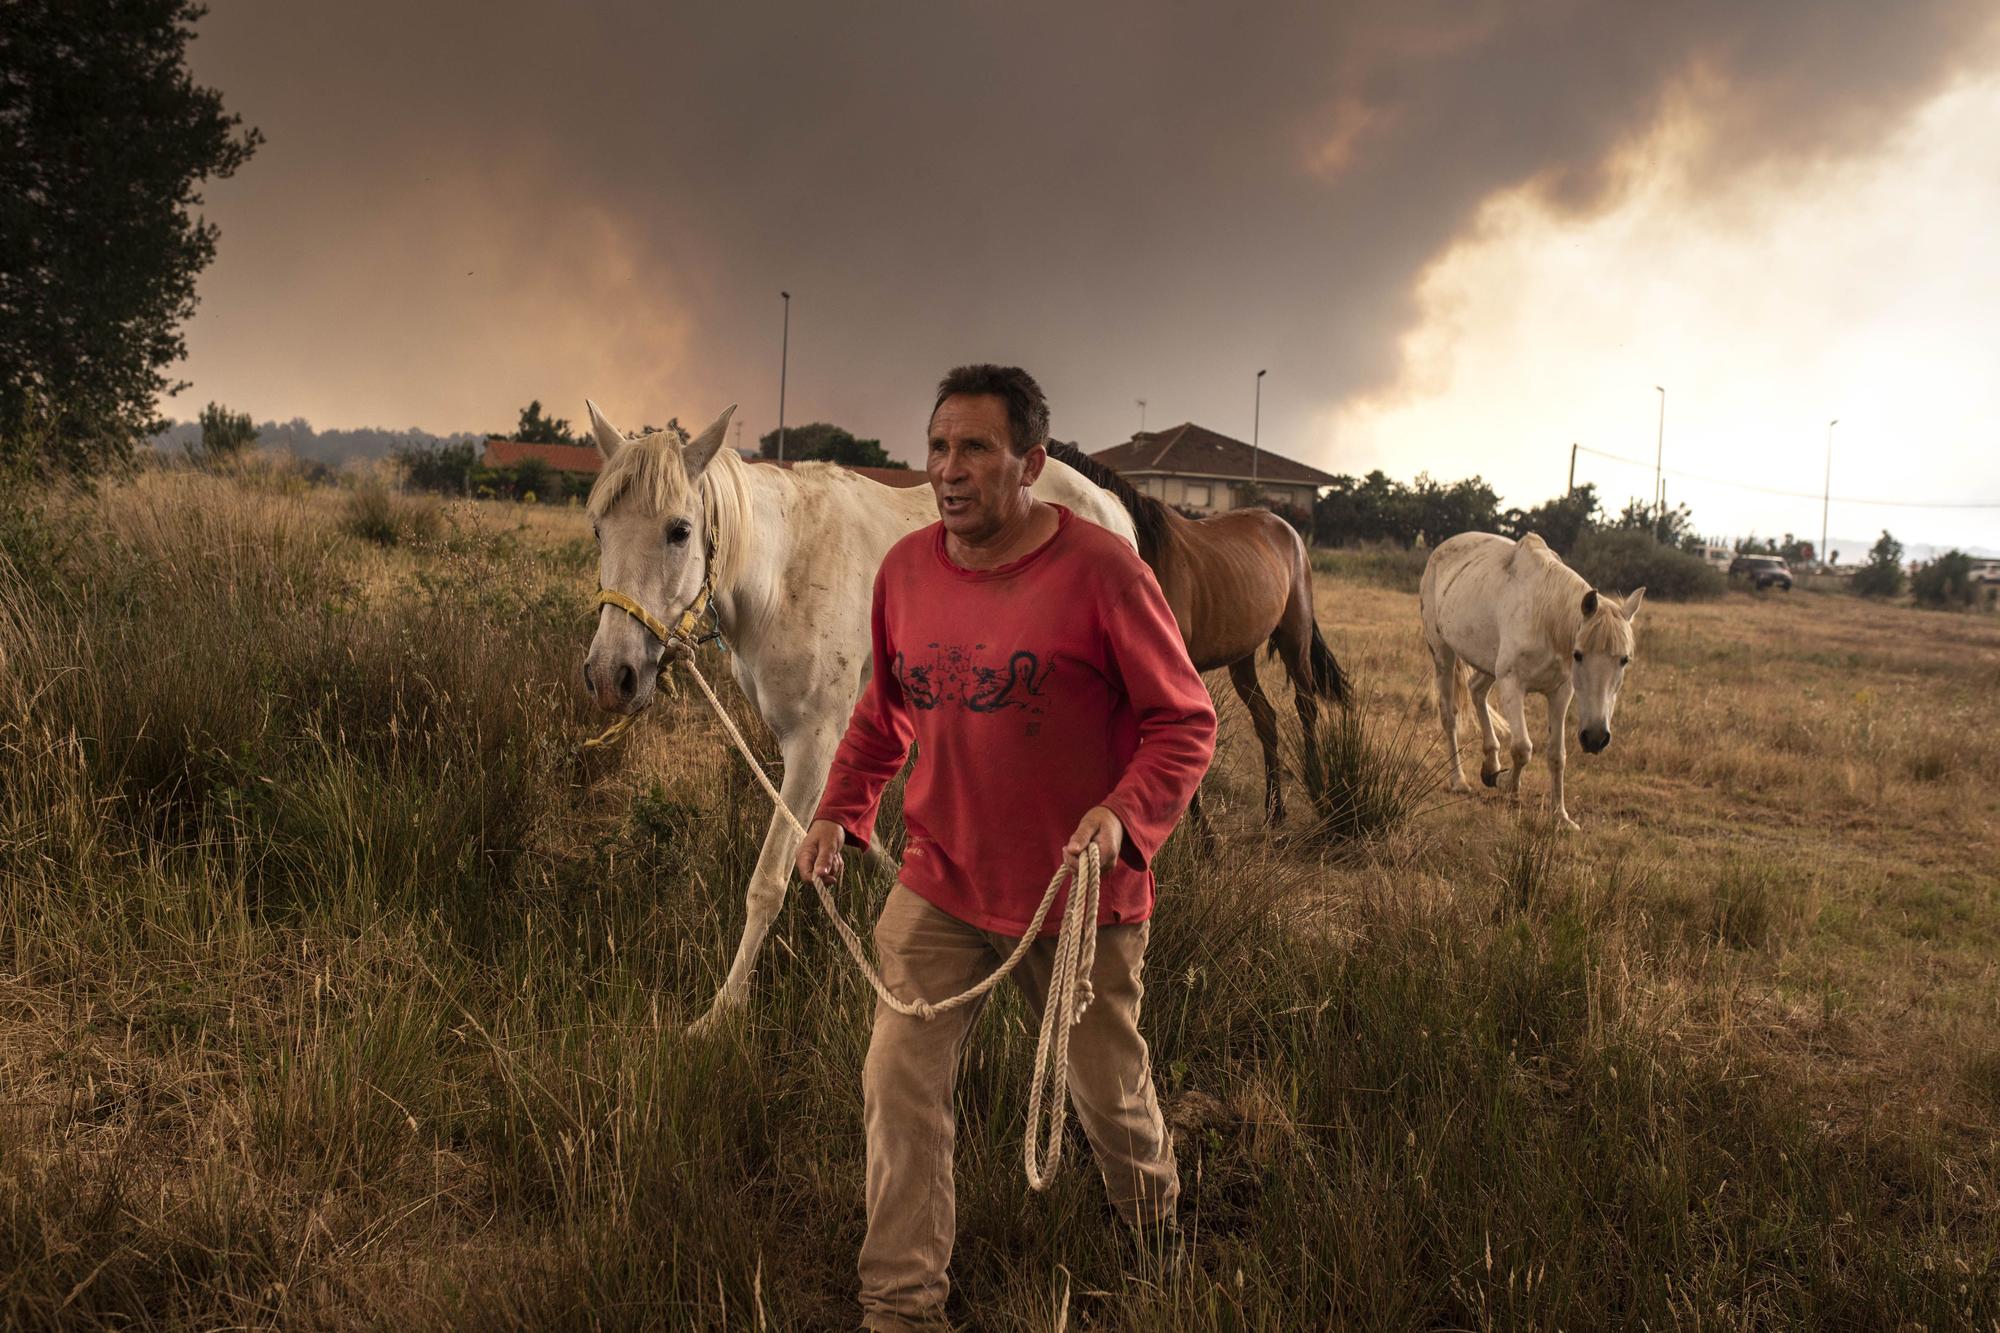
(1521, 620)
(791, 557)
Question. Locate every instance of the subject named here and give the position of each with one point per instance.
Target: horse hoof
(1459, 786)
(1568, 825)
(1491, 777)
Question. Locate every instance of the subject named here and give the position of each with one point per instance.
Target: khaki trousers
(907, 1086)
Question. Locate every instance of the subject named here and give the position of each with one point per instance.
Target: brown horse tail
(1329, 681)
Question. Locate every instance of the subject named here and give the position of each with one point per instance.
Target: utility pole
(1572, 469)
(1256, 424)
(1659, 478)
(784, 362)
(739, 439)
(1826, 493)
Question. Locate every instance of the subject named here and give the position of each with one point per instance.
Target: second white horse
(1521, 621)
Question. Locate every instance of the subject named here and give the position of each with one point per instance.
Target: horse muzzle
(1594, 739)
(618, 687)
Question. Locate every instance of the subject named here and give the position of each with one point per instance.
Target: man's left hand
(1099, 825)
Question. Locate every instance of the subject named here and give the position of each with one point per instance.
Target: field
(336, 991)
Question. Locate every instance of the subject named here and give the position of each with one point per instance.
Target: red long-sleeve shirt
(1033, 692)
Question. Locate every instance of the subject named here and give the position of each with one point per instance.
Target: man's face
(980, 483)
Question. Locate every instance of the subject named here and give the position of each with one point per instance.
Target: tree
(538, 429)
(1561, 522)
(825, 442)
(446, 469)
(1882, 576)
(224, 434)
(104, 139)
(1945, 583)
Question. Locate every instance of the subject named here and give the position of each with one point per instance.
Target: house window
(1196, 494)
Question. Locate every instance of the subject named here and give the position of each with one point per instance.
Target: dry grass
(334, 992)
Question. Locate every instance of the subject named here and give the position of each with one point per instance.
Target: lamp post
(1256, 424)
(1659, 480)
(1826, 491)
(784, 361)
(1142, 414)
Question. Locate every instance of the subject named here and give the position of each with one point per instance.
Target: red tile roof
(578, 458)
(888, 476)
(1188, 450)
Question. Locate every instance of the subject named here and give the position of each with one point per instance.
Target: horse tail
(1329, 681)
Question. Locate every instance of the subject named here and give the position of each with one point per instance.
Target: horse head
(656, 540)
(1599, 654)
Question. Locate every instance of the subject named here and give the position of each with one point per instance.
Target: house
(1200, 470)
(576, 460)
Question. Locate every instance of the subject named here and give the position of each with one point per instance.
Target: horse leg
(1478, 691)
(808, 756)
(1558, 724)
(1513, 701)
(1445, 665)
(1243, 675)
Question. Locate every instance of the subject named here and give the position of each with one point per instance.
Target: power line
(1794, 495)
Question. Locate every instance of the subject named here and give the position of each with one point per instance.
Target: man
(1031, 657)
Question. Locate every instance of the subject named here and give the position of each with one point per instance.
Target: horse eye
(678, 533)
(1623, 660)
(1577, 656)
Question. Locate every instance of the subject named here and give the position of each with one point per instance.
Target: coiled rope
(1069, 992)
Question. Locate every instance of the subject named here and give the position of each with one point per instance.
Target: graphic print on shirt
(956, 674)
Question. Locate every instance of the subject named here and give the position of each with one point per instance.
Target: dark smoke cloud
(465, 205)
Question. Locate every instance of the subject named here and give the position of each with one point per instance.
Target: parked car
(1762, 571)
(1986, 571)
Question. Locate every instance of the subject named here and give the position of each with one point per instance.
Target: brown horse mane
(1150, 517)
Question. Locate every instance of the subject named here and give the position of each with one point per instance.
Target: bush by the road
(1619, 560)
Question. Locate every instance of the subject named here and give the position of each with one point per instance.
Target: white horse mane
(650, 469)
(1558, 602)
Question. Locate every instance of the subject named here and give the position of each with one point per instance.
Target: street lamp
(1142, 414)
(784, 361)
(1826, 492)
(1256, 424)
(1659, 480)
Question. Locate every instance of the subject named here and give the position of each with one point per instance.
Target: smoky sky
(1134, 201)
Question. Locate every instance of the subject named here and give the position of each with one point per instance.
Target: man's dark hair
(1027, 410)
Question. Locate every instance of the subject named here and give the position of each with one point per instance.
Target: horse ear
(1590, 603)
(1631, 607)
(609, 440)
(695, 455)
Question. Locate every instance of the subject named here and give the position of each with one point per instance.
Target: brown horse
(1235, 581)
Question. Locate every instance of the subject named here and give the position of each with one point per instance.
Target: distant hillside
(333, 447)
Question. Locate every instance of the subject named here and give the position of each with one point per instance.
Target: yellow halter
(683, 633)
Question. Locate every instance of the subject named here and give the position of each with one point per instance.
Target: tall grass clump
(1368, 776)
(376, 514)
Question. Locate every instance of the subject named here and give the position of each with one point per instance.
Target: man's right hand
(819, 854)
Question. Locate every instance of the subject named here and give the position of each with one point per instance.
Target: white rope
(1068, 994)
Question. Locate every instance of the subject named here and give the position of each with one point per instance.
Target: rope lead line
(1069, 976)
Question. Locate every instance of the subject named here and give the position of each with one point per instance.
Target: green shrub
(1621, 560)
(1882, 576)
(1945, 584)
